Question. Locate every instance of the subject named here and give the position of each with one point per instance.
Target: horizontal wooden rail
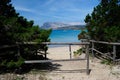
(117, 59)
(45, 61)
(103, 42)
(56, 43)
(66, 43)
(7, 46)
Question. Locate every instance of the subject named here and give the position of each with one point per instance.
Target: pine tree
(104, 18)
(103, 24)
(15, 28)
(7, 16)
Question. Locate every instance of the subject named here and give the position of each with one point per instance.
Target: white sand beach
(75, 70)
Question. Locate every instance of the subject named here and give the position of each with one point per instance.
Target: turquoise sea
(65, 36)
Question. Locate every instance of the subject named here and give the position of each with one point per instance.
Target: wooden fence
(61, 60)
(54, 43)
(83, 42)
(113, 44)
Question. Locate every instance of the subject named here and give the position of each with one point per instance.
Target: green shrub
(12, 64)
(106, 61)
(78, 52)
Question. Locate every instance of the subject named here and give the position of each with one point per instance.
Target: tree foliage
(15, 28)
(103, 24)
(104, 18)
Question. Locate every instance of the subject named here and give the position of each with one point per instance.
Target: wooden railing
(54, 43)
(85, 43)
(61, 60)
(113, 44)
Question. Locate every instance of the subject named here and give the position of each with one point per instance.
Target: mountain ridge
(61, 26)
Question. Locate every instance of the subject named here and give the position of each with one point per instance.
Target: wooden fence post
(93, 55)
(87, 56)
(70, 51)
(114, 52)
(18, 49)
(45, 54)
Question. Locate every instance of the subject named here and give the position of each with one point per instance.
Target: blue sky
(68, 11)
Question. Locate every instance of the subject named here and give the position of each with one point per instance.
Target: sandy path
(75, 70)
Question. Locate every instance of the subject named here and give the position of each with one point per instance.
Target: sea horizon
(64, 35)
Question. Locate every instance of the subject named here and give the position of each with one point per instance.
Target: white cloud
(49, 2)
(23, 9)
